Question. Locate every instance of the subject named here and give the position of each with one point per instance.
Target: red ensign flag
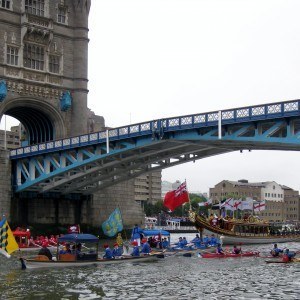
(177, 197)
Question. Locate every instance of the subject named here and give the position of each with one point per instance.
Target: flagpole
(122, 224)
(188, 196)
(5, 142)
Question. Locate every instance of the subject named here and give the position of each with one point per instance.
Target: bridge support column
(5, 185)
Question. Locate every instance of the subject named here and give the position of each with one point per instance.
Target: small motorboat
(229, 255)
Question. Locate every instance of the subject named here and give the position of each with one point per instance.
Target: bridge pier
(29, 208)
(5, 184)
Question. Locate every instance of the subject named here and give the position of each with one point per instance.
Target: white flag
(228, 204)
(260, 206)
(247, 204)
(237, 204)
(207, 203)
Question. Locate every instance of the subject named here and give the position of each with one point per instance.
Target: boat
(229, 255)
(236, 231)
(273, 261)
(22, 237)
(156, 236)
(88, 256)
(188, 251)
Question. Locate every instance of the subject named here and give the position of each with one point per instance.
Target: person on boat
(184, 242)
(151, 242)
(206, 240)
(210, 219)
(45, 251)
(196, 241)
(276, 251)
(146, 249)
(165, 243)
(213, 241)
(135, 251)
(117, 251)
(108, 253)
(219, 249)
(215, 221)
(236, 250)
(136, 234)
(52, 240)
(180, 243)
(288, 255)
(78, 249)
(31, 242)
(66, 250)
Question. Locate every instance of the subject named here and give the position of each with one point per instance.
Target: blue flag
(113, 224)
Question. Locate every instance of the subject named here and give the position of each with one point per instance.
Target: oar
(37, 245)
(158, 252)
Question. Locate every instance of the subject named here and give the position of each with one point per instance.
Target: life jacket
(285, 258)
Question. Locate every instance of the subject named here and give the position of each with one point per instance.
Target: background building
(167, 186)
(148, 188)
(10, 139)
(282, 202)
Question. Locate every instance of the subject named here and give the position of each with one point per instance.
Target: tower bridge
(91, 162)
(71, 168)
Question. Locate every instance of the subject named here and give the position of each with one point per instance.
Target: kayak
(295, 260)
(228, 255)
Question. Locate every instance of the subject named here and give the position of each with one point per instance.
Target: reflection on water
(170, 278)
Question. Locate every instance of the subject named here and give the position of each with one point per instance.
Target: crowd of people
(41, 239)
(197, 242)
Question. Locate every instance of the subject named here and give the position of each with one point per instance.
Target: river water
(175, 277)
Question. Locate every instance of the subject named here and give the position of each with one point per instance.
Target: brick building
(282, 202)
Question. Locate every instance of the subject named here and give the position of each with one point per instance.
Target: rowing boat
(79, 256)
(229, 255)
(41, 262)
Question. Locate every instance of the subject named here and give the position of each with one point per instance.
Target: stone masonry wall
(122, 196)
(5, 184)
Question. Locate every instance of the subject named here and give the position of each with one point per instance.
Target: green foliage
(181, 211)
(153, 209)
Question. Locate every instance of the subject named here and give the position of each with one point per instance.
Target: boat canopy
(21, 233)
(152, 232)
(78, 238)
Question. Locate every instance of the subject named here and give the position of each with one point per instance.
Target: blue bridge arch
(87, 163)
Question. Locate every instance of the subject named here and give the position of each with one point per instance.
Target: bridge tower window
(62, 15)
(5, 4)
(35, 7)
(33, 57)
(53, 63)
(12, 55)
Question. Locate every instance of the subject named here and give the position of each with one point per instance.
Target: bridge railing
(228, 116)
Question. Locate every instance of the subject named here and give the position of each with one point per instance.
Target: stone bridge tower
(43, 63)
(44, 53)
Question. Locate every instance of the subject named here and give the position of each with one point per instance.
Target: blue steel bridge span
(87, 163)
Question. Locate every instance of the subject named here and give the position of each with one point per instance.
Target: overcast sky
(159, 58)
